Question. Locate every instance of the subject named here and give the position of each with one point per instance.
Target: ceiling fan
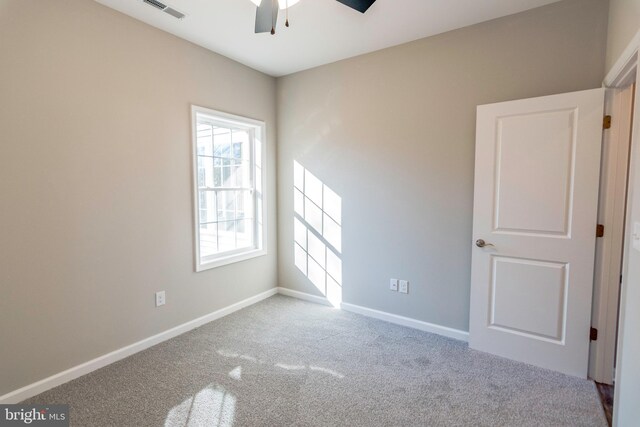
(267, 13)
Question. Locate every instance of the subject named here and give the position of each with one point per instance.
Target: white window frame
(260, 216)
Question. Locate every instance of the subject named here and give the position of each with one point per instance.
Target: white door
(535, 207)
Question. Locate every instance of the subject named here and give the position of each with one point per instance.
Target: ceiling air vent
(166, 9)
(174, 13)
(156, 3)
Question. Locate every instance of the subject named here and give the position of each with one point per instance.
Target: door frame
(625, 69)
(611, 214)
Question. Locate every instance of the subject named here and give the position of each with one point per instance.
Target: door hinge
(606, 123)
(599, 230)
(593, 334)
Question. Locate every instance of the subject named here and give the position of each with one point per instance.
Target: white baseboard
(107, 359)
(304, 296)
(382, 315)
(407, 321)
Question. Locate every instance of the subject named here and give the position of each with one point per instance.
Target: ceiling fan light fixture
(284, 4)
(267, 12)
(281, 3)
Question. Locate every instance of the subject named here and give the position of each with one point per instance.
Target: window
(228, 177)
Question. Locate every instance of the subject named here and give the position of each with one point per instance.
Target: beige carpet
(286, 362)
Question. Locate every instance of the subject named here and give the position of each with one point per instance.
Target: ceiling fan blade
(359, 5)
(266, 16)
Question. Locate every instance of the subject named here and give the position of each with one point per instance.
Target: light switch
(635, 238)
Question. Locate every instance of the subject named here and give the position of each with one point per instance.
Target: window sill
(231, 259)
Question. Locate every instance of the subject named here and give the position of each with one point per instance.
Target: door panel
(524, 142)
(536, 188)
(528, 298)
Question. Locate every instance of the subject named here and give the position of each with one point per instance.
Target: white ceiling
(322, 31)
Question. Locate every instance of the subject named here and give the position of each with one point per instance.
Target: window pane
(201, 172)
(227, 236)
(240, 145)
(229, 217)
(205, 171)
(204, 138)
(236, 175)
(226, 205)
(208, 209)
(226, 173)
(222, 142)
(241, 205)
(208, 240)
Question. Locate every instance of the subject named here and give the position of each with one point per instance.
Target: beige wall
(392, 133)
(95, 183)
(624, 23)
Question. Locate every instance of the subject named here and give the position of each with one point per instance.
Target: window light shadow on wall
(318, 233)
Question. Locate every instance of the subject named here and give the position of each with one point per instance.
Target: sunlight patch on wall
(317, 230)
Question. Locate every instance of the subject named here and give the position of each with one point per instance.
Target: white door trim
(611, 213)
(625, 66)
(605, 317)
(625, 70)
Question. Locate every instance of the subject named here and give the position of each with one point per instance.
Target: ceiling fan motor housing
(267, 12)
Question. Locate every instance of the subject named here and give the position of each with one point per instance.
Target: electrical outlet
(404, 286)
(160, 298)
(393, 285)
